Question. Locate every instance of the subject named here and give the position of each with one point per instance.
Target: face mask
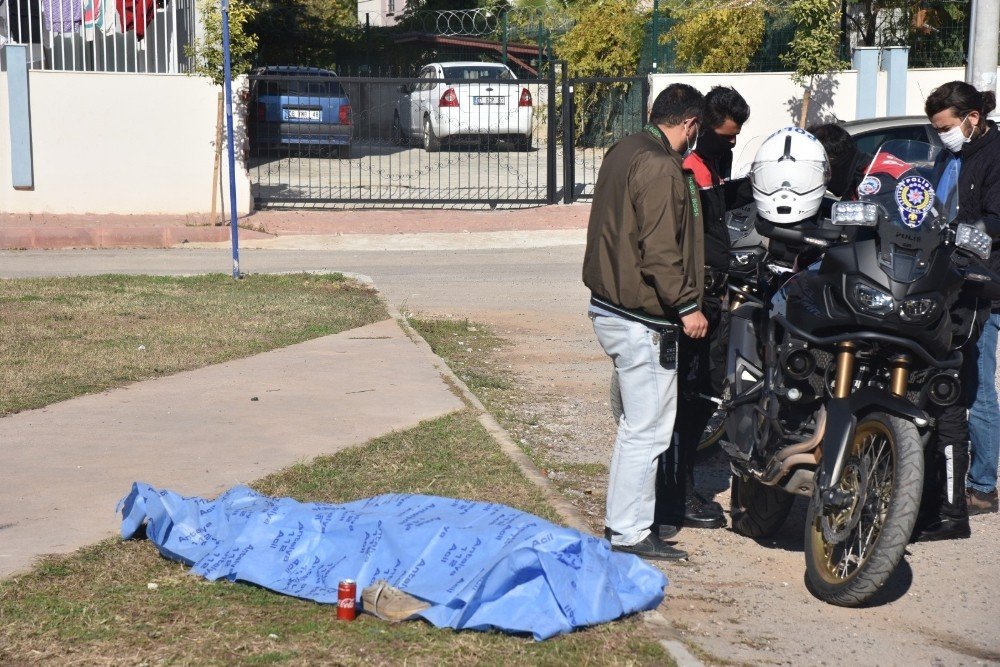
(711, 145)
(954, 138)
(691, 145)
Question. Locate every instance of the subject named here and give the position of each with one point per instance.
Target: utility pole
(234, 229)
(984, 44)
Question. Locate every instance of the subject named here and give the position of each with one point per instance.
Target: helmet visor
(800, 177)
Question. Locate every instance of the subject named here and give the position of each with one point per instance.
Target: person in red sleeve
(701, 362)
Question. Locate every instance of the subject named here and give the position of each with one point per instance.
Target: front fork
(842, 410)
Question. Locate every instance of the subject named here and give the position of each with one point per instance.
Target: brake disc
(838, 524)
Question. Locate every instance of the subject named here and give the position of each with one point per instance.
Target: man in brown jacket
(644, 265)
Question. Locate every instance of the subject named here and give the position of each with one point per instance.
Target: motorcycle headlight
(860, 213)
(918, 309)
(872, 300)
(975, 241)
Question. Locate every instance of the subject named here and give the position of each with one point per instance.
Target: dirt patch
(740, 601)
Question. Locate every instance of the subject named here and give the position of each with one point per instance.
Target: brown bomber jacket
(645, 247)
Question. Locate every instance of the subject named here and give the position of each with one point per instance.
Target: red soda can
(347, 592)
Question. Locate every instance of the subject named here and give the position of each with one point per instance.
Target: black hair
(839, 145)
(962, 98)
(676, 103)
(724, 102)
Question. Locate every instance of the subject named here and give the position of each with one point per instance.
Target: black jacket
(718, 195)
(979, 186)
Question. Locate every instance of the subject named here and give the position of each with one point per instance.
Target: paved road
(740, 600)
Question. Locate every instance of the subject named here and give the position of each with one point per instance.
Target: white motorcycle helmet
(789, 176)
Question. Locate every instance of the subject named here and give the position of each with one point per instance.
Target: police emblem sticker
(915, 197)
(870, 186)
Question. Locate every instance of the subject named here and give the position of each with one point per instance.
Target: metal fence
(102, 35)
(389, 141)
(383, 142)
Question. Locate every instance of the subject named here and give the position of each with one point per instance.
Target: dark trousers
(700, 371)
(946, 456)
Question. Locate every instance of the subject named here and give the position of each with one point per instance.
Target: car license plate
(302, 114)
(489, 100)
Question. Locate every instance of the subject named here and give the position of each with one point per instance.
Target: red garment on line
(136, 15)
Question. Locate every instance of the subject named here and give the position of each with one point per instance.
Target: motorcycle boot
(677, 503)
(946, 516)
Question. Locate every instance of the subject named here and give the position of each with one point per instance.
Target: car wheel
(523, 143)
(344, 152)
(431, 143)
(398, 138)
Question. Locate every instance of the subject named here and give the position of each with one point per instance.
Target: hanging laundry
(99, 16)
(61, 16)
(135, 15)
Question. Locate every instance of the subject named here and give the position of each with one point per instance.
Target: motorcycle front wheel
(851, 552)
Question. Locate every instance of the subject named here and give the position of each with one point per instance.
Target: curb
(563, 508)
(674, 648)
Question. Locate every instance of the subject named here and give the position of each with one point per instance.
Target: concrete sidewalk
(64, 467)
(125, 231)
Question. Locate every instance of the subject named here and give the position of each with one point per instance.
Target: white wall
(119, 143)
(775, 100)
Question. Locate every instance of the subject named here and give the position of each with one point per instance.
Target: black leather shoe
(710, 504)
(943, 529)
(652, 548)
(698, 515)
(663, 531)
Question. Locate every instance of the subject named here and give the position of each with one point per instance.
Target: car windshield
(305, 87)
(914, 179)
(477, 73)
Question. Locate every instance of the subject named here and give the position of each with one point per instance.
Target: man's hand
(695, 325)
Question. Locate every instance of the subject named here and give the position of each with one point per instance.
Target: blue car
(299, 107)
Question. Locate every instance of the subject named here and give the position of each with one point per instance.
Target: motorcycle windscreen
(915, 184)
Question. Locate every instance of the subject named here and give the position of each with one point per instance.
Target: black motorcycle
(832, 367)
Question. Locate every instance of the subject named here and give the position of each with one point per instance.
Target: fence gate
(596, 112)
(318, 140)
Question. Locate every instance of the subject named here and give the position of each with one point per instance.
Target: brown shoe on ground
(981, 503)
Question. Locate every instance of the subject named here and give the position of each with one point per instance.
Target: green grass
(63, 337)
(472, 351)
(96, 606)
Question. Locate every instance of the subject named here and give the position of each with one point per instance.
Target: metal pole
(567, 135)
(655, 46)
(971, 23)
(368, 45)
(234, 230)
(985, 44)
(506, 33)
(551, 138)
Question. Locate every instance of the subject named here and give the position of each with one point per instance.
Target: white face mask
(691, 145)
(954, 138)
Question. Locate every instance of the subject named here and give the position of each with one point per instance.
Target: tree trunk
(806, 97)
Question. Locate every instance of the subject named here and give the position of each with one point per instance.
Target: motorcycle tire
(758, 510)
(885, 471)
(709, 438)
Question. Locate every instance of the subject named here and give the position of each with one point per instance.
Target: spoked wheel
(851, 551)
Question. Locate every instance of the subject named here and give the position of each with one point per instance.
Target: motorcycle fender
(842, 420)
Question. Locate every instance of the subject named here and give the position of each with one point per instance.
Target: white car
(464, 102)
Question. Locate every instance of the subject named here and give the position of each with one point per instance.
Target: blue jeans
(645, 429)
(984, 417)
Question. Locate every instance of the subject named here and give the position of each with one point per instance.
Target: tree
(304, 32)
(207, 52)
(605, 41)
(813, 50)
(712, 38)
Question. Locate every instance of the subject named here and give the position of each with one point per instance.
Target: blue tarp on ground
(480, 565)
